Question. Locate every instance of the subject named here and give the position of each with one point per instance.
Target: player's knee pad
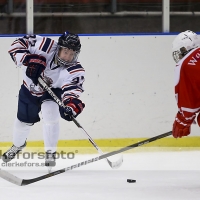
(50, 112)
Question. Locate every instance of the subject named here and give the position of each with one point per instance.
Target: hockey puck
(131, 180)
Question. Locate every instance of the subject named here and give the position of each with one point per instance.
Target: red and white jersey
(70, 79)
(187, 84)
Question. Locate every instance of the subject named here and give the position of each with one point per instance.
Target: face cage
(64, 63)
(177, 56)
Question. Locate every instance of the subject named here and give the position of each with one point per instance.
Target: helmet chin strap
(55, 61)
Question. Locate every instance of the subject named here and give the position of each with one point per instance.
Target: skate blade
(49, 169)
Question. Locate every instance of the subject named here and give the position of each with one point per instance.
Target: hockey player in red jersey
(186, 53)
(57, 63)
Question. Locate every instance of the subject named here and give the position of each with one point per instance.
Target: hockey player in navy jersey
(57, 63)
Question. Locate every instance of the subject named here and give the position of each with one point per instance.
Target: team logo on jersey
(35, 89)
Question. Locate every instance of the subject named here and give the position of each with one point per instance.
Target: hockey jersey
(70, 79)
(187, 84)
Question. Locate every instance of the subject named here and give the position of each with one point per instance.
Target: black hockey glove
(73, 107)
(35, 66)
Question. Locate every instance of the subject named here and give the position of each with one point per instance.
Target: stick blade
(115, 164)
(11, 178)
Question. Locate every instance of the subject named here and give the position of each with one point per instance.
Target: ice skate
(50, 160)
(12, 152)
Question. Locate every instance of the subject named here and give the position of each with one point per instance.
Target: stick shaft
(59, 102)
(29, 181)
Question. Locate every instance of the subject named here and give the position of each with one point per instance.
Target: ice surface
(159, 176)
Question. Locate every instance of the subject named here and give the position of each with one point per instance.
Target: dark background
(113, 23)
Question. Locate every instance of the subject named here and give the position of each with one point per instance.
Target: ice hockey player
(186, 53)
(56, 62)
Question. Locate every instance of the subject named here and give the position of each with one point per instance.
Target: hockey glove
(181, 126)
(35, 66)
(73, 107)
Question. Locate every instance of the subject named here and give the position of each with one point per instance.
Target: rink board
(129, 93)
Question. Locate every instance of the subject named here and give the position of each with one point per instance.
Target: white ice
(162, 175)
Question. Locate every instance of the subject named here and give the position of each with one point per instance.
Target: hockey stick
(22, 182)
(113, 165)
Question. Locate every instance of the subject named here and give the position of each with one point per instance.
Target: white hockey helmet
(183, 43)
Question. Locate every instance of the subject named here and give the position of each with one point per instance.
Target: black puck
(131, 180)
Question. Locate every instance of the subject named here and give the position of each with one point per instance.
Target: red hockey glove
(181, 126)
(73, 108)
(35, 66)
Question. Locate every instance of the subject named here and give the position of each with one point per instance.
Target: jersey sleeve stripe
(15, 42)
(23, 57)
(23, 43)
(74, 71)
(13, 50)
(74, 68)
(21, 51)
(79, 90)
(12, 56)
(69, 95)
(46, 44)
(67, 85)
(50, 46)
(42, 43)
(69, 88)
